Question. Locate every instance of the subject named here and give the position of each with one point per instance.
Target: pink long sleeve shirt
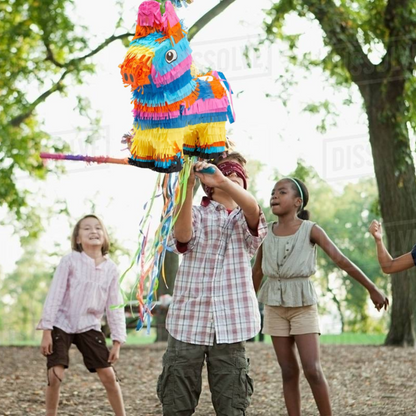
(80, 294)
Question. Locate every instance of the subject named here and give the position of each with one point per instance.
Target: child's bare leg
(55, 377)
(286, 356)
(308, 347)
(109, 380)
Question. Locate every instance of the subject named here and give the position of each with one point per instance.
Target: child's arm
(257, 272)
(318, 236)
(183, 225)
(55, 295)
(387, 263)
(241, 197)
(115, 317)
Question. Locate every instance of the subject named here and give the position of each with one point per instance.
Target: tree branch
(17, 121)
(207, 17)
(50, 55)
(399, 61)
(342, 37)
(70, 66)
(99, 48)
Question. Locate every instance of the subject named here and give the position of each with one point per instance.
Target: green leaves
(326, 110)
(38, 41)
(43, 52)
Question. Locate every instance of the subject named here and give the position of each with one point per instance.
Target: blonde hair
(78, 247)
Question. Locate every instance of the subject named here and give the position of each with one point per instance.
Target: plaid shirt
(214, 294)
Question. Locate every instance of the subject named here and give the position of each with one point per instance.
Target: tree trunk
(171, 266)
(338, 305)
(397, 190)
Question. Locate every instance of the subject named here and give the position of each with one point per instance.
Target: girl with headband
(288, 258)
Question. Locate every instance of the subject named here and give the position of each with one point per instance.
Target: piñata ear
(171, 16)
(149, 19)
(174, 29)
(149, 14)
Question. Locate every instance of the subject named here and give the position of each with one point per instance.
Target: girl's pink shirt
(79, 295)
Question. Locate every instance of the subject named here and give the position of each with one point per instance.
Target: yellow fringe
(157, 143)
(205, 135)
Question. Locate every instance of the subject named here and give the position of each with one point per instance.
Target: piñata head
(176, 112)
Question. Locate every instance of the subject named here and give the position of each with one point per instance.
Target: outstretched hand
(376, 230)
(379, 299)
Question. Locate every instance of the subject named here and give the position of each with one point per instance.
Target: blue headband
(299, 188)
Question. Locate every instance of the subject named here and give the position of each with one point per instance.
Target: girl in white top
(288, 258)
(85, 285)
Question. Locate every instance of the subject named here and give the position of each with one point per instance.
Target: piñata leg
(205, 140)
(158, 149)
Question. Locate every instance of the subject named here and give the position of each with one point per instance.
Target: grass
(141, 338)
(353, 339)
(345, 339)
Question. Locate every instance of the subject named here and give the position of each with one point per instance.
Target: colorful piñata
(176, 112)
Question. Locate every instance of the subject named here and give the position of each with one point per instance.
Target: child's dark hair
(303, 214)
(77, 247)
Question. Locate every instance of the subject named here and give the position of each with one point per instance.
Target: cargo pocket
(243, 388)
(187, 383)
(164, 385)
(179, 388)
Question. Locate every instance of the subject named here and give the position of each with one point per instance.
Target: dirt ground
(363, 381)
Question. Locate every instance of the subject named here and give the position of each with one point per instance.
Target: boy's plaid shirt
(214, 294)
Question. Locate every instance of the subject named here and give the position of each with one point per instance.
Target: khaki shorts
(282, 321)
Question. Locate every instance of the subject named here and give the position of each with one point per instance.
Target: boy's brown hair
(233, 156)
(77, 247)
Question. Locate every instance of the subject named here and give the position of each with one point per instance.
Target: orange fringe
(217, 88)
(139, 68)
(143, 31)
(176, 33)
(188, 101)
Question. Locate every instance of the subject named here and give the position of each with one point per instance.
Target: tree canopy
(43, 52)
(372, 45)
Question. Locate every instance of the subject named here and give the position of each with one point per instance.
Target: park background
(300, 111)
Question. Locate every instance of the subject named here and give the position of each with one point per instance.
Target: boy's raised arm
(240, 196)
(245, 201)
(183, 224)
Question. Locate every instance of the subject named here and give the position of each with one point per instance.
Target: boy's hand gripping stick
(209, 169)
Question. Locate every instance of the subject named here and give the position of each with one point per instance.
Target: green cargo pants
(179, 385)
